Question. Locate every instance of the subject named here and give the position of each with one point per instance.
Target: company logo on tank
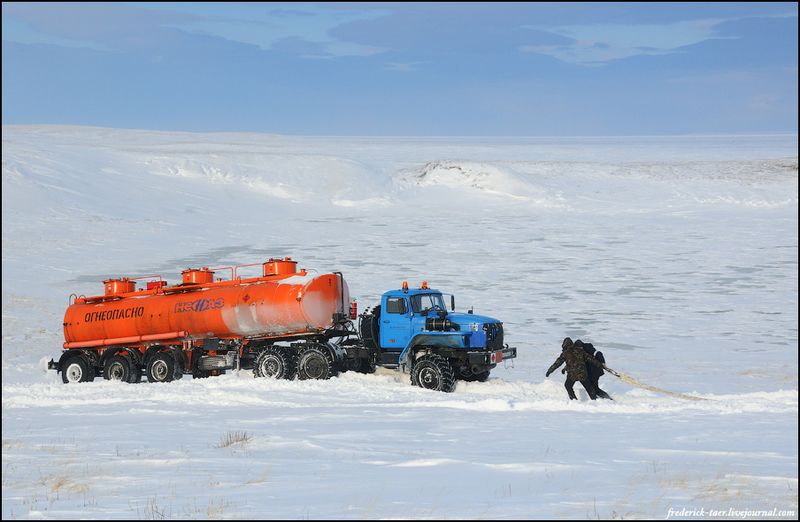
(199, 305)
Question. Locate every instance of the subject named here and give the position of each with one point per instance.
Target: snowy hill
(676, 256)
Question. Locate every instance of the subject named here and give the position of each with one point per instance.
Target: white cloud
(255, 25)
(597, 44)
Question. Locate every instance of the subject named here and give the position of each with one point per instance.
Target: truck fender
(432, 339)
(69, 354)
(338, 353)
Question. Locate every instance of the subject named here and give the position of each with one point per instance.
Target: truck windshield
(422, 302)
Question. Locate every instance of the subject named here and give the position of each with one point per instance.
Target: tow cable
(633, 382)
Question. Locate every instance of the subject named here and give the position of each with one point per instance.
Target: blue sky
(404, 69)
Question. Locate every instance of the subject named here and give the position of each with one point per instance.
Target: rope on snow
(633, 382)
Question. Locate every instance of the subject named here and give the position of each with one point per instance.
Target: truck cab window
(424, 302)
(396, 305)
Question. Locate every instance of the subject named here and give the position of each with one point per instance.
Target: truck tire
(359, 365)
(433, 372)
(367, 366)
(119, 368)
(77, 369)
(161, 367)
(369, 327)
(468, 376)
(315, 362)
(275, 363)
(136, 372)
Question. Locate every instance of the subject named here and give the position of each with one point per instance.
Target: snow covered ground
(676, 256)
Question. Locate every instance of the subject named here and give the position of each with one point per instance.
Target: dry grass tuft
(234, 437)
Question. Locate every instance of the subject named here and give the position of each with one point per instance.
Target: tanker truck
(285, 324)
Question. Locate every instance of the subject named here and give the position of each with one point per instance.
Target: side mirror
(452, 302)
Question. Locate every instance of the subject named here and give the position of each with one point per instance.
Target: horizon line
(685, 135)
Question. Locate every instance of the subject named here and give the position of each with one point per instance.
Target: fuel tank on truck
(282, 302)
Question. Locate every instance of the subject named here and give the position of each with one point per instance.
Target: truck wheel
(433, 372)
(471, 377)
(315, 363)
(359, 365)
(483, 376)
(276, 363)
(161, 368)
(118, 368)
(367, 366)
(77, 369)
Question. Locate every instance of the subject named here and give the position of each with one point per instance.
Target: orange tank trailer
(201, 326)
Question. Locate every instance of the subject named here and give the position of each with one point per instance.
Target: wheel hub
(116, 371)
(74, 372)
(271, 366)
(428, 378)
(160, 370)
(315, 367)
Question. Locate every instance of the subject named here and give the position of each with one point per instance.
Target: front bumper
(493, 356)
(509, 352)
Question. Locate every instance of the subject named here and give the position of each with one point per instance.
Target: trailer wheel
(119, 368)
(315, 363)
(136, 372)
(276, 363)
(77, 369)
(161, 368)
(433, 372)
(201, 374)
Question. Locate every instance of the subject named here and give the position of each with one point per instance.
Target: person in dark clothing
(596, 372)
(577, 361)
(577, 344)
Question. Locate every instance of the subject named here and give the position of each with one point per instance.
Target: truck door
(395, 323)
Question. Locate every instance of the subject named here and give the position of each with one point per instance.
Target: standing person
(594, 372)
(577, 361)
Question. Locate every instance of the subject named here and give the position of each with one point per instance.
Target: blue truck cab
(414, 329)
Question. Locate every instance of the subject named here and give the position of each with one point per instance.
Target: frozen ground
(677, 257)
